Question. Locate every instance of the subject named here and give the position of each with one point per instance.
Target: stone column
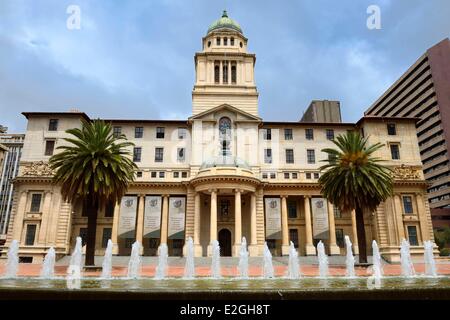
(310, 249)
(237, 222)
(197, 212)
(424, 231)
(229, 72)
(221, 73)
(284, 227)
(355, 233)
(140, 222)
(253, 247)
(18, 217)
(334, 249)
(399, 218)
(115, 229)
(45, 218)
(213, 221)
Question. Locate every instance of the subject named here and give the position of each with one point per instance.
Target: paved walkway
(308, 267)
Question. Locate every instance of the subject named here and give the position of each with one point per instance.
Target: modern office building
(222, 174)
(423, 91)
(323, 111)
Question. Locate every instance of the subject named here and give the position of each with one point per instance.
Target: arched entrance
(225, 242)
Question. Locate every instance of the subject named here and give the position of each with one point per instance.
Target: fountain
(75, 259)
(48, 267)
(189, 268)
(377, 268)
(107, 261)
(405, 258)
(161, 269)
(349, 258)
(323, 260)
(12, 264)
(134, 265)
(293, 267)
(267, 263)
(215, 262)
(430, 265)
(243, 260)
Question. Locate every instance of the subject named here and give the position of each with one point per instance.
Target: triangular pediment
(210, 114)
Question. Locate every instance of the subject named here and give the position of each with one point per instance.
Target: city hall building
(222, 174)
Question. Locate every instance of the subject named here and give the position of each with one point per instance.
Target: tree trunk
(91, 232)
(361, 232)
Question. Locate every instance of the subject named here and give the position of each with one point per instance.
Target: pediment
(214, 113)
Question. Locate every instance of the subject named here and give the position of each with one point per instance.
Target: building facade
(323, 111)
(423, 91)
(222, 174)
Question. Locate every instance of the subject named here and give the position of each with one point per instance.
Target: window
(293, 236)
(391, 129)
(139, 174)
(292, 209)
(267, 134)
(289, 156)
(162, 174)
(294, 175)
(225, 72)
(311, 156)
(49, 147)
(83, 235)
(159, 153)
(224, 208)
(231, 41)
(316, 175)
(184, 174)
(117, 131)
(264, 175)
(308, 175)
(225, 41)
(273, 175)
(137, 151)
(309, 134)
(106, 236)
(395, 151)
(337, 212)
(153, 174)
(240, 44)
(138, 132)
(286, 175)
(109, 209)
(233, 74)
(53, 125)
(36, 202)
(340, 238)
(412, 236)
(218, 41)
(153, 243)
(216, 74)
(176, 174)
(407, 205)
(180, 154)
(181, 133)
(209, 44)
(30, 235)
(288, 134)
(129, 243)
(159, 133)
(330, 134)
(267, 155)
(271, 243)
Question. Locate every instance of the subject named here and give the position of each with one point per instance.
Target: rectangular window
(159, 154)
(316, 175)
(159, 133)
(176, 174)
(138, 132)
(36, 202)
(83, 235)
(293, 236)
(292, 209)
(391, 129)
(225, 41)
(286, 175)
(412, 236)
(407, 205)
(311, 156)
(294, 175)
(288, 134)
(218, 41)
(109, 209)
(162, 174)
(308, 175)
(139, 174)
(289, 156)
(53, 125)
(337, 212)
(340, 238)
(30, 235)
(153, 174)
(181, 133)
(49, 147)
(106, 236)
(267, 134)
(330, 134)
(232, 42)
(184, 174)
(273, 175)
(267, 155)
(233, 74)
(264, 175)
(180, 155)
(309, 134)
(225, 72)
(117, 131)
(137, 151)
(395, 151)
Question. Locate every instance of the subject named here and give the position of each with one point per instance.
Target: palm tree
(355, 180)
(94, 168)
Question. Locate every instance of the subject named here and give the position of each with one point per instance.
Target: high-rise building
(324, 111)
(423, 91)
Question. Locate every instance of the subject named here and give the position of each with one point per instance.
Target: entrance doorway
(225, 242)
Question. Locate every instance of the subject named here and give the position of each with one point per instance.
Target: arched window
(225, 41)
(233, 74)
(225, 72)
(216, 73)
(225, 135)
(231, 41)
(218, 41)
(209, 44)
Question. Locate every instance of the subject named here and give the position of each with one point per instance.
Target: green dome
(225, 23)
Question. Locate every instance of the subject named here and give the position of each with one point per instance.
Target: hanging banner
(127, 217)
(177, 211)
(152, 217)
(273, 218)
(320, 218)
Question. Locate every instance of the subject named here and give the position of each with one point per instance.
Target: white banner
(127, 217)
(177, 211)
(273, 218)
(152, 217)
(320, 218)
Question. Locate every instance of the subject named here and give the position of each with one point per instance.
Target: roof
(387, 119)
(77, 114)
(224, 23)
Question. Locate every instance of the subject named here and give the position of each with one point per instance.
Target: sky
(135, 59)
